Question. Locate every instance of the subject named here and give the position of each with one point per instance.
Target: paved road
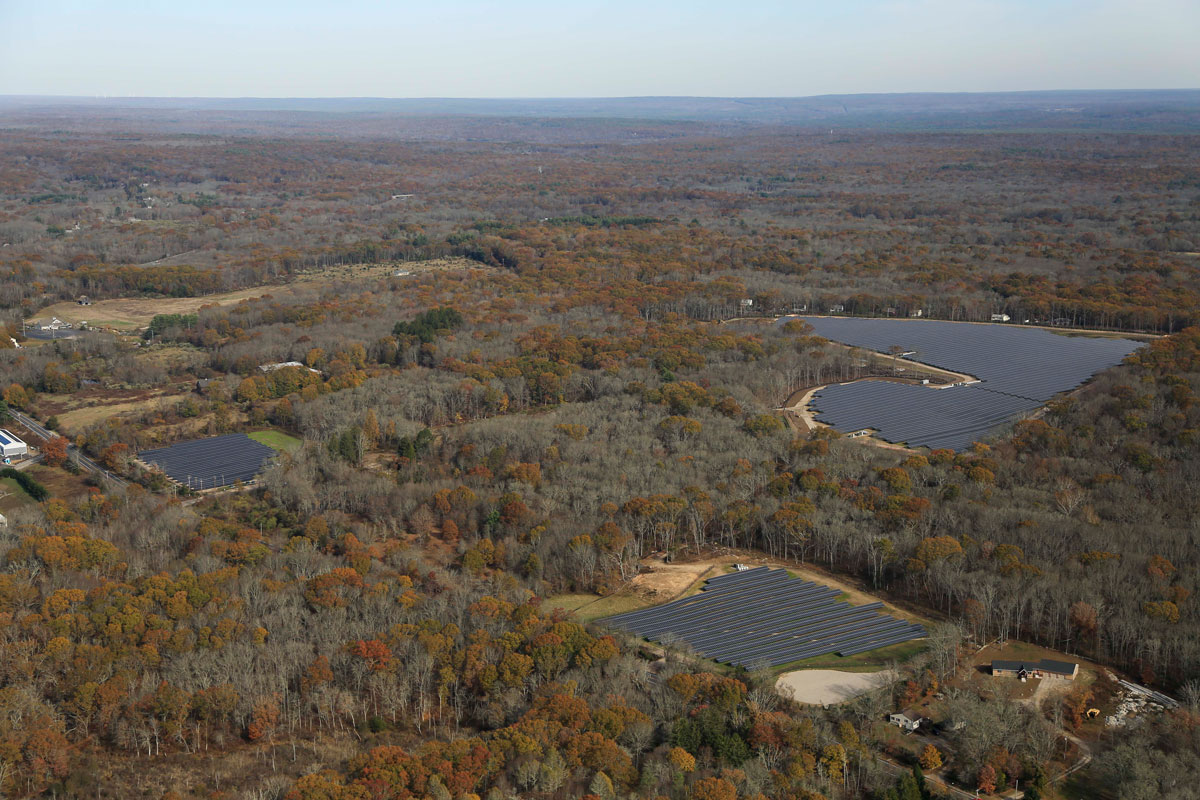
(73, 452)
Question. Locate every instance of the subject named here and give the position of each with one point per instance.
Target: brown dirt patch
(664, 581)
(830, 686)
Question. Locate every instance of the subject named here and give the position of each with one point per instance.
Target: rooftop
(1044, 665)
(7, 437)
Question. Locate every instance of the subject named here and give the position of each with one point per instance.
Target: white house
(3, 521)
(1000, 317)
(11, 446)
(906, 720)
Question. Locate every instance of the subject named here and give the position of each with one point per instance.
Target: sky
(561, 48)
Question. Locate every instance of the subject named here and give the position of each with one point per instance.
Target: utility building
(11, 446)
(1045, 668)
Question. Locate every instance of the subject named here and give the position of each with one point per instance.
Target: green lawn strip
(870, 661)
(276, 440)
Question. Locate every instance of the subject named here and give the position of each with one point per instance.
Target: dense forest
(524, 365)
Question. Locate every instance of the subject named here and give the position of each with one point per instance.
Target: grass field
(589, 607)
(276, 440)
(13, 495)
(870, 661)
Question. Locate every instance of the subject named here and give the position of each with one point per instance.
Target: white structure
(3, 521)
(11, 446)
(917, 314)
(1000, 317)
(54, 324)
(905, 720)
(282, 364)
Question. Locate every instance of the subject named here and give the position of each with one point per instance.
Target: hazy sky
(543, 48)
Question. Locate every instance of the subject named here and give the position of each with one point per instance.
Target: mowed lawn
(276, 440)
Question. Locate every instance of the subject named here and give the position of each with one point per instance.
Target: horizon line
(589, 97)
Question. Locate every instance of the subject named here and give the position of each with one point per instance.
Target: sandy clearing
(667, 581)
(829, 686)
(135, 312)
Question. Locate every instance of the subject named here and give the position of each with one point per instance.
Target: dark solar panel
(1019, 369)
(210, 463)
(764, 616)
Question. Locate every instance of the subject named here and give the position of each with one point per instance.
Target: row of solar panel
(1029, 362)
(756, 611)
(210, 463)
(1021, 368)
(764, 616)
(919, 416)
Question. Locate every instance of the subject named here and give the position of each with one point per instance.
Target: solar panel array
(766, 617)
(210, 463)
(1019, 368)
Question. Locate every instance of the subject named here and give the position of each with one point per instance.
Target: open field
(136, 312)
(86, 407)
(277, 440)
(59, 482)
(828, 686)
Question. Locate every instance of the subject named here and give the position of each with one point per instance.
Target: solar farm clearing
(765, 617)
(1018, 368)
(211, 463)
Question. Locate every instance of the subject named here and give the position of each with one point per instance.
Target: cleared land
(829, 686)
(277, 440)
(590, 607)
(136, 312)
